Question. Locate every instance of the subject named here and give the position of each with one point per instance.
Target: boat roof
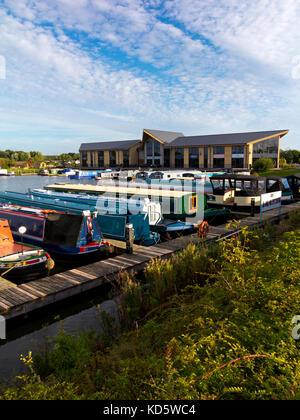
(238, 177)
(118, 190)
(294, 175)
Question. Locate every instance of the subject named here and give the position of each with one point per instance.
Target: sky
(74, 71)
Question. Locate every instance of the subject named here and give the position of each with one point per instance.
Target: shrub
(263, 164)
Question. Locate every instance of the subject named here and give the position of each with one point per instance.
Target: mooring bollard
(129, 235)
(252, 207)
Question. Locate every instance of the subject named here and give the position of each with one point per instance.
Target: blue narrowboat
(63, 234)
(112, 215)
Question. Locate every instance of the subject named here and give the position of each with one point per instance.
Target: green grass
(280, 172)
(207, 324)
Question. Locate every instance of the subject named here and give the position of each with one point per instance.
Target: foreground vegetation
(206, 324)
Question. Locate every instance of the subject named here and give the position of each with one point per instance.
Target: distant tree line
(290, 156)
(8, 158)
(19, 155)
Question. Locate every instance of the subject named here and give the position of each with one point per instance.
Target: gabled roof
(108, 145)
(220, 139)
(164, 136)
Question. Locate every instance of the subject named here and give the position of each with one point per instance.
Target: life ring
(203, 229)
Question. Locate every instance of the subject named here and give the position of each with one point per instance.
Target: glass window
(112, 158)
(219, 150)
(237, 150)
(194, 158)
(84, 159)
(167, 158)
(149, 147)
(205, 157)
(101, 159)
(92, 158)
(126, 158)
(219, 163)
(156, 148)
(179, 158)
(237, 163)
(266, 149)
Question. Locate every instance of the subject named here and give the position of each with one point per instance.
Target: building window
(266, 148)
(237, 150)
(237, 162)
(101, 159)
(126, 158)
(92, 159)
(205, 157)
(156, 148)
(167, 158)
(219, 150)
(84, 159)
(219, 163)
(149, 148)
(194, 157)
(179, 158)
(112, 158)
(237, 156)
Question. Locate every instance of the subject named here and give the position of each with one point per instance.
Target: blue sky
(74, 71)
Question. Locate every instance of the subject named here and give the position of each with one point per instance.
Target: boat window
(33, 227)
(217, 185)
(193, 203)
(62, 229)
(286, 184)
(273, 185)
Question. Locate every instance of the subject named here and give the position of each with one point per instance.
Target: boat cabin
(294, 183)
(230, 190)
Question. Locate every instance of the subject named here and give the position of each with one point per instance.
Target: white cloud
(186, 65)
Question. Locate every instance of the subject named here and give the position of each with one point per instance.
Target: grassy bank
(206, 324)
(280, 172)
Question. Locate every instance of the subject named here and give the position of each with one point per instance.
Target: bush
(263, 164)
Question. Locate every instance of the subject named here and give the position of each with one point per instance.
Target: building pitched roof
(165, 136)
(108, 145)
(221, 139)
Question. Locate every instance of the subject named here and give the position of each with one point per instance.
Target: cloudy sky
(74, 71)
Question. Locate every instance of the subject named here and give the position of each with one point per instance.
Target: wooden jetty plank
(12, 297)
(83, 272)
(4, 307)
(4, 299)
(17, 295)
(30, 287)
(4, 283)
(72, 278)
(133, 258)
(31, 295)
(43, 286)
(68, 278)
(60, 283)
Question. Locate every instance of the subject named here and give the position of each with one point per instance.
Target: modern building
(167, 149)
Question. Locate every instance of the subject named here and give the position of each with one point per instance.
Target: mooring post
(129, 234)
(252, 207)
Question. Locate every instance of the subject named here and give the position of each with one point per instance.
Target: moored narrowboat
(239, 191)
(111, 214)
(20, 262)
(174, 203)
(62, 234)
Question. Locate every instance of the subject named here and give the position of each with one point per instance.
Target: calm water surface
(73, 316)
